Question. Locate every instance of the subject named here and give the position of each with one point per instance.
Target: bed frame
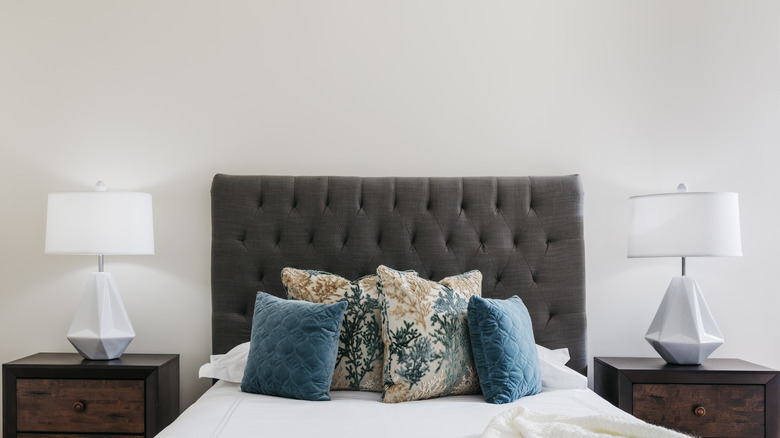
(525, 234)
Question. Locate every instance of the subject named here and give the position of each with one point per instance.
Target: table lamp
(684, 224)
(100, 223)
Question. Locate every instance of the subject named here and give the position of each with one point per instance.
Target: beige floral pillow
(425, 333)
(359, 360)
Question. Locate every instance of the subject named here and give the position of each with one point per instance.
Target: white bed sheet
(224, 411)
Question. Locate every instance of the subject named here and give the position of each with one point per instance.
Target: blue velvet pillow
(292, 351)
(502, 340)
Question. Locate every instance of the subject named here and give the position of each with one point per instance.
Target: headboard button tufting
(418, 224)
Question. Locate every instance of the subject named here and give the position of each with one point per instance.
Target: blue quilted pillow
(504, 348)
(292, 351)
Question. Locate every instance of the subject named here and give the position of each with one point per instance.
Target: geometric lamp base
(101, 329)
(683, 331)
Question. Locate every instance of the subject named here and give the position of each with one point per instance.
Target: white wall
(157, 96)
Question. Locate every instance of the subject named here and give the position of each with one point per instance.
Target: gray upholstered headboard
(524, 233)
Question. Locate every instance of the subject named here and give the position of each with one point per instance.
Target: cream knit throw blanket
(525, 423)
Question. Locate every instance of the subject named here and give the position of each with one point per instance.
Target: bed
(524, 235)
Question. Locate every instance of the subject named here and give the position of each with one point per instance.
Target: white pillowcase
(555, 374)
(228, 367)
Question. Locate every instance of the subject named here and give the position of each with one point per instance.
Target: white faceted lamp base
(683, 331)
(101, 329)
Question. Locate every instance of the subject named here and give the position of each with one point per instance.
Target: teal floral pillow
(427, 348)
(359, 360)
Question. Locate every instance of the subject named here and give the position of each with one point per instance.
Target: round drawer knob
(79, 406)
(700, 411)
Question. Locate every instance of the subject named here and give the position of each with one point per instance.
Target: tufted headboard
(525, 234)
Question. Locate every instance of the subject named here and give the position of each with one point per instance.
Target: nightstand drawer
(708, 410)
(75, 405)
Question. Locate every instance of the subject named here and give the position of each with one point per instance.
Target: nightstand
(719, 398)
(49, 394)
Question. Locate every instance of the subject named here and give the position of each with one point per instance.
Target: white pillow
(555, 374)
(229, 366)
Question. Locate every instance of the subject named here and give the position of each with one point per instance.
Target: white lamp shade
(101, 222)
(694, 224)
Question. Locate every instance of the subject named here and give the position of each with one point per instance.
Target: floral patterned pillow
(425, 334)
(359, 360)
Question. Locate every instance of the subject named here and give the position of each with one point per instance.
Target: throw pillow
(292, 349)
(504, 349)
(359, 360)
(425, 333)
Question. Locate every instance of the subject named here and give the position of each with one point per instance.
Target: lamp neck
(100, 263)
(683, 266)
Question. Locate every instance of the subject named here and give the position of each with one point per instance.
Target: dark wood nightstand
(49, 394)
(719, 398)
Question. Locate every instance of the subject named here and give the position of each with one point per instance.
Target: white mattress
(225, 411)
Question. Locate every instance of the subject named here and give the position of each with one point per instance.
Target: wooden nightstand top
(656, 370)
(658, 364)
(75, 359)
(73, 366)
